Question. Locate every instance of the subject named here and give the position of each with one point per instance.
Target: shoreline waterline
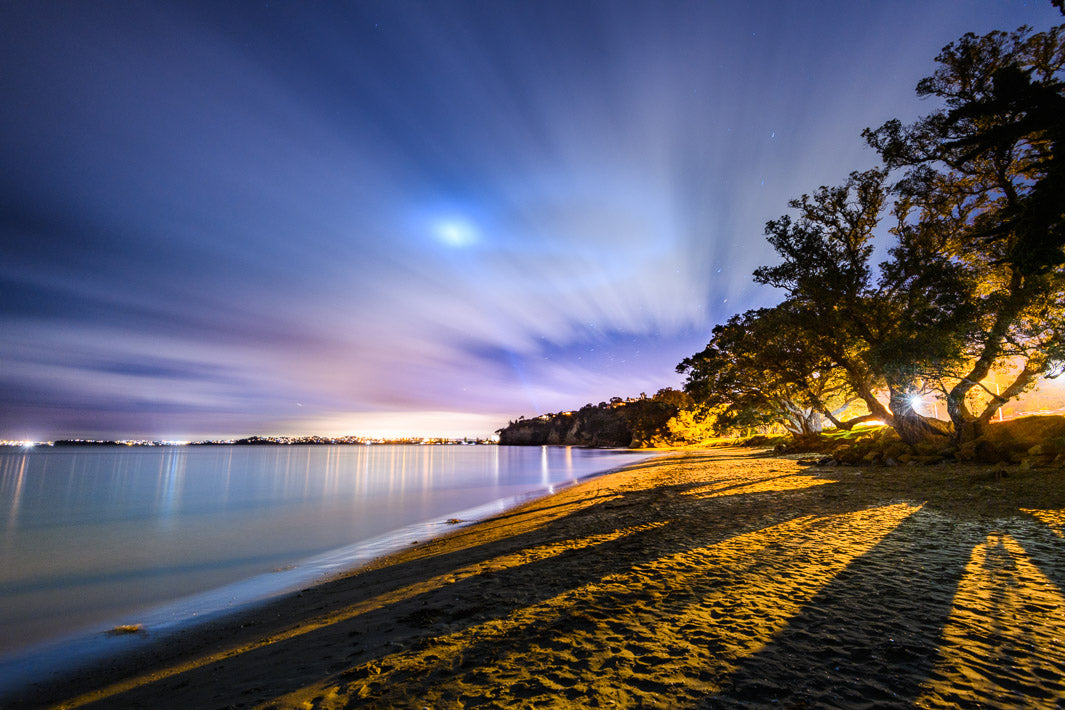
(126, 633)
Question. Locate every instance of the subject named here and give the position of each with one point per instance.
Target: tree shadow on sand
(778, 584)
(873, 636)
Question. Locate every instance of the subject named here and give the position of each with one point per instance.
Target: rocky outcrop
(587, 427)
(632, 423)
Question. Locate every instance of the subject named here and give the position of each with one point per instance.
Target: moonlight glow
(210, 219)
(455, 233)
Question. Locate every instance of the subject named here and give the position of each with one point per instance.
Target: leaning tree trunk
(967, 425)
(911, 427)
(812, 423)
(804, 422)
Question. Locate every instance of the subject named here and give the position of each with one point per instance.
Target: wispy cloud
(211, 214)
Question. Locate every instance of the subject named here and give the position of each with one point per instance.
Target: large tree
(975, 280)
(758, 368)
(984, 176)
(881, 331)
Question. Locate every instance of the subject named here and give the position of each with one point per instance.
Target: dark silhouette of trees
(883, 332)
(760, 369)
(648, 417)
(621, 422)
(986, 176)
(844, 331)
(974, 283)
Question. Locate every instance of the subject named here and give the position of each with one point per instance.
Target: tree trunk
(801, 421)
(968, 426)
(911, 427)
(812, 422)
(850, 423)
(968, 430)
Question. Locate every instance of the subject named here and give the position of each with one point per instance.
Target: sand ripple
(711, 579)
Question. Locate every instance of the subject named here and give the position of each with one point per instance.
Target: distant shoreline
(256, 441)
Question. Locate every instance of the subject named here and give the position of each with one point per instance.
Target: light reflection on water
(93, 535)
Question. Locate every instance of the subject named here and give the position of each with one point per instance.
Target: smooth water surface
(90, 537)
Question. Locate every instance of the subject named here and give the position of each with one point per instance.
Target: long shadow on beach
(392, 635)
(872, 634)
(449, 607)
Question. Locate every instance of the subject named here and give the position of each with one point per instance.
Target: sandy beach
(711, 578)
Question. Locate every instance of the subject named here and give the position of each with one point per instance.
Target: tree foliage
(973, 283)
(757, 370)
(986, 175)
(619, 422)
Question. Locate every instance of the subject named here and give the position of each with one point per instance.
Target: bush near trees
(975, 194)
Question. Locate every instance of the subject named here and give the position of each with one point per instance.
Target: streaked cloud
(211, 213)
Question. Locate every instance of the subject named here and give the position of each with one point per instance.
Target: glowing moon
(455, 233)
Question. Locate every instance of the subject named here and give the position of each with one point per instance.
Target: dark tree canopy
(758, 369)
(973, 284)
(985, 173)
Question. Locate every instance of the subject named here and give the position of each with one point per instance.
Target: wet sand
(719, 578)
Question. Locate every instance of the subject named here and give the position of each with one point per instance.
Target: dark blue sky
(372, 217)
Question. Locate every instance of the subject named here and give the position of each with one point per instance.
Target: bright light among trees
(972, 286)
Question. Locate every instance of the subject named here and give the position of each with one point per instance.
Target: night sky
(228, 218)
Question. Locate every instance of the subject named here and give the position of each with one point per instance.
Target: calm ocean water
(94, 537)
